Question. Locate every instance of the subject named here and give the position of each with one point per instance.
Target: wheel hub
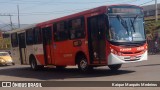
(33, 64)
(83, 64)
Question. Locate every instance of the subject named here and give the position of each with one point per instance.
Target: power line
(4, 23)
(10, 17)
(53, 12)
(129, 1)
(146, 2)
(5, 26)
(38, 2)
(56, 12)
(56, 3)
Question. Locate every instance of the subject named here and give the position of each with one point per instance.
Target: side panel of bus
(34, 46)
(15, 55)
(63, 47)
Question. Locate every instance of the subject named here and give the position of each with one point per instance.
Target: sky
(36, 11)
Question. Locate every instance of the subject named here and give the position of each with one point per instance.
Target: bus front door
(96, 39)
(22, 47)
(47, 44)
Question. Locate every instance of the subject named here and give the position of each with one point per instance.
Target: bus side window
(76, 28)
(60, 31)
(30, 37)
(38, 36)
(14, 39)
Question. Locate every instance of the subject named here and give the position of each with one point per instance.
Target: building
(149, 11)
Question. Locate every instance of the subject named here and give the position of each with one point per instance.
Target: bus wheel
(83, 65)
(115, 67)
(33, 64)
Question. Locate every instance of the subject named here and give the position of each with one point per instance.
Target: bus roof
(100, 9)
(73, 15)
(97, 9)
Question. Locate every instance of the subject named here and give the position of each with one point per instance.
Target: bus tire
(115, 67)
(33, 64)
(83, 65)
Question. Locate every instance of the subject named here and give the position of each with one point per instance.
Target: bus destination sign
(125, 10)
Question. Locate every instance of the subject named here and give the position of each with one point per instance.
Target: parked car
(5, 58)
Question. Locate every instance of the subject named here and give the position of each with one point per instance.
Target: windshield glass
(126, 28)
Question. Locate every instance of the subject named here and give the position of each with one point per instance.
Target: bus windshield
(123, 28)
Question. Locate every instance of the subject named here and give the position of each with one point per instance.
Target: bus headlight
(116, 52)
(119, 53)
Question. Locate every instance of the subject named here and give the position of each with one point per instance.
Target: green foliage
(5, 43)
(152, 28)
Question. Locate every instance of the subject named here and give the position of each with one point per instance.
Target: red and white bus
(103, 36)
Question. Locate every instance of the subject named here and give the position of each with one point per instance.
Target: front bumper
(115, 59)
(7, 62)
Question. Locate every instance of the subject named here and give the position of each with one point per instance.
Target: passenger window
(29, 37)
(47, 35)
(60, 31)
(38, 35)
(76, 28)
(14, 40)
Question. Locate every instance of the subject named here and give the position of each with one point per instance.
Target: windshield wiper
(123, 22)
(133, 21)
(132, 25)
(135, 18)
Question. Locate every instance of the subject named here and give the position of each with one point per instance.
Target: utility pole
(156, 11)
(10, 16)
(18, 16)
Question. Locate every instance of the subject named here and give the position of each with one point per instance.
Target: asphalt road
(141, 71)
